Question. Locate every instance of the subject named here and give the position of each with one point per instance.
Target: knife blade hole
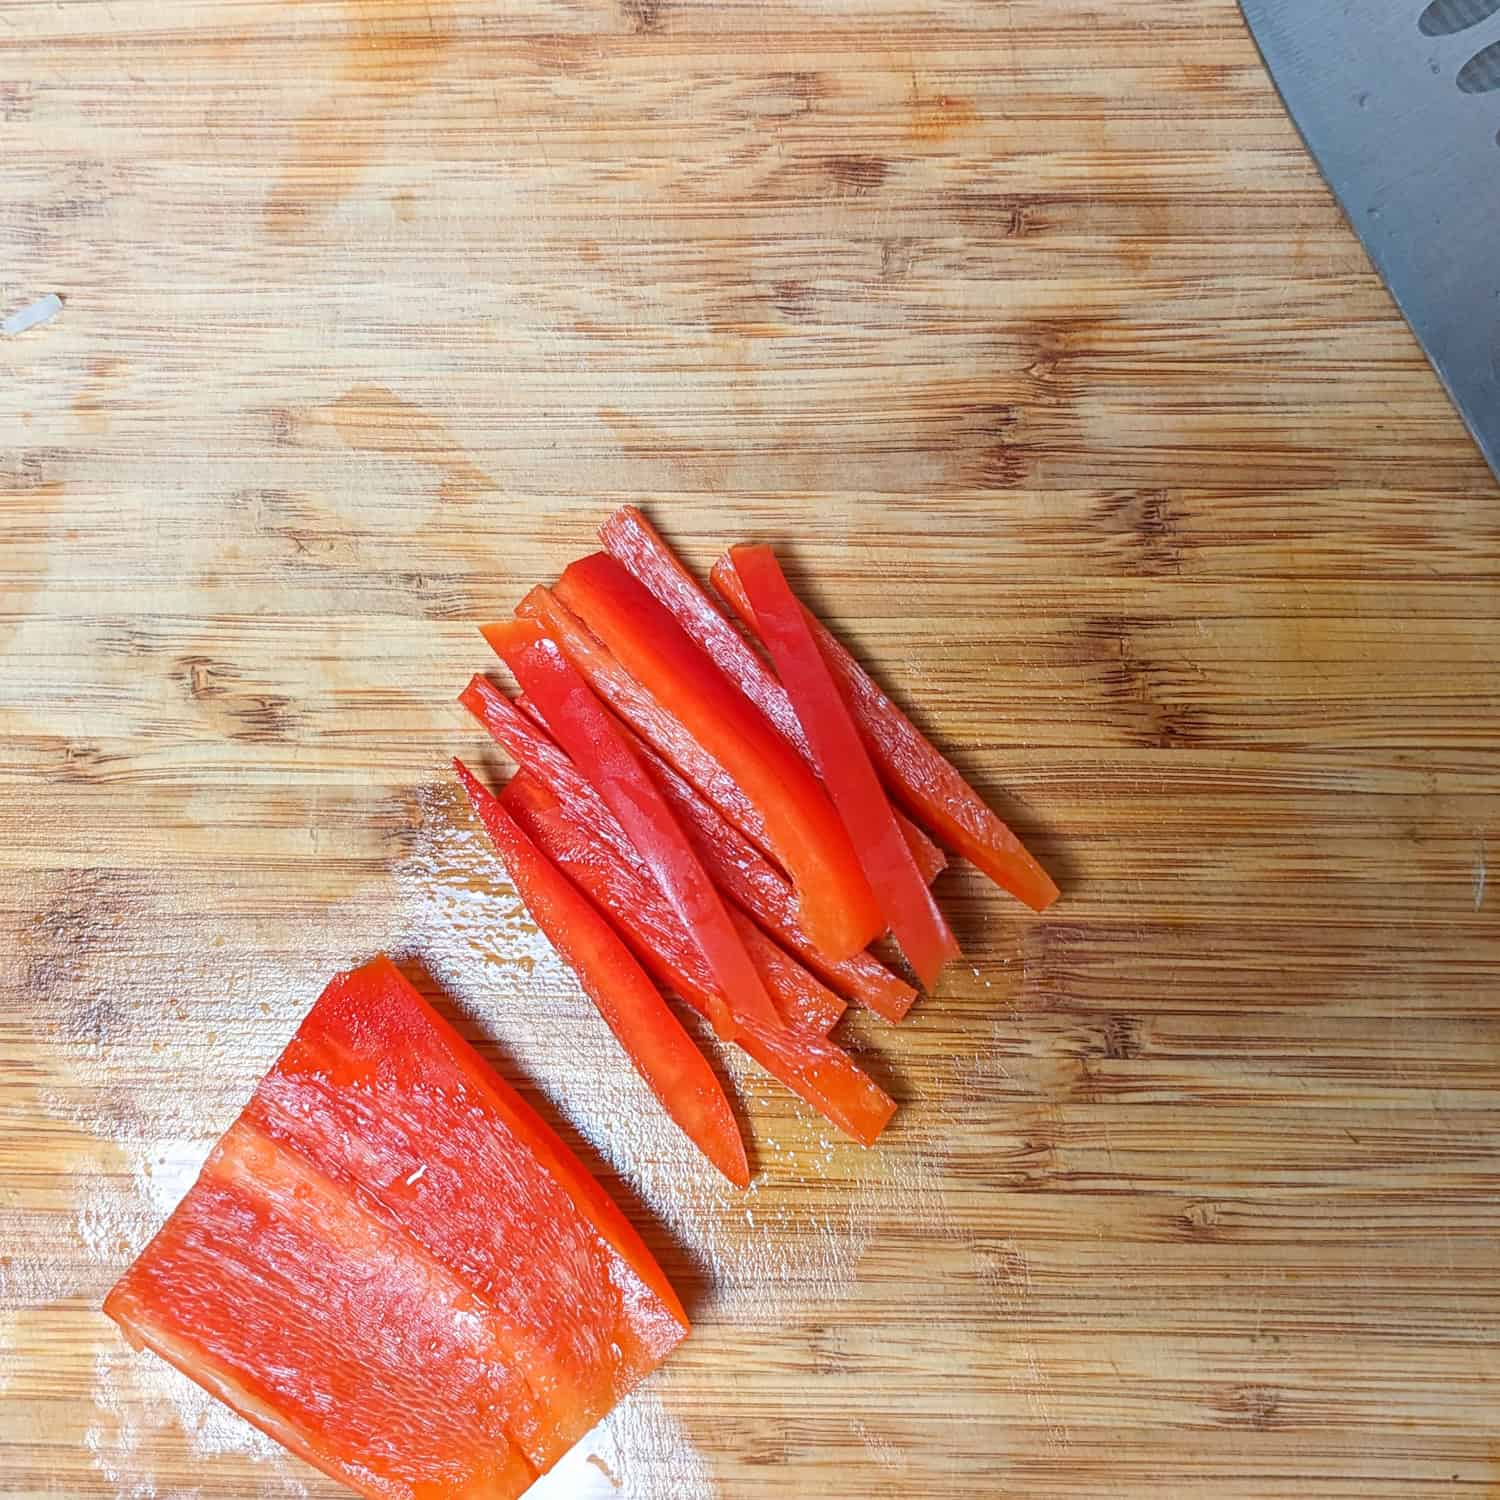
(1448, 17)
(1481, 74)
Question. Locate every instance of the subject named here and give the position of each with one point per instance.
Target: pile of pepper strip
(389, 1263)
(738, 826)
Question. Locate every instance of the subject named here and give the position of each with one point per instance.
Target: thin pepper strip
(761, 889)
(914, 769)
(809, 842)
(799, 995)
(752, 884)
(852, 782)
(663, 731)
(656, 1042)
(814, 1068)
(636, 544)
(588, 733)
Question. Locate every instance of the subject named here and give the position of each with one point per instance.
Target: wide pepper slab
(392, 1265)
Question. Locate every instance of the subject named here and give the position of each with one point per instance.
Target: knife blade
(1400, 108)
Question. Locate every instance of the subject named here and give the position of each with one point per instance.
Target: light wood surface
(1030, 333)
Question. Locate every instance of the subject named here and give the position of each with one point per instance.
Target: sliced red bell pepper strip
(750, 881)
(658, 1046)
(915, 771)
(799, 995)
(522, 729)
(816, 1069)
(391, 1265)
(662, 730)
(632, 540)
(761, 889)
(823, 1075)
(838, 908)
(587, 732)
(781, 622)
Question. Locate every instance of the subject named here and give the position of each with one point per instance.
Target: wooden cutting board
(1031, 335)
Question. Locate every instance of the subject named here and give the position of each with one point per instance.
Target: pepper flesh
(800, 996)
(781, 622)
(380, 1377)
(658, 1046)
(764, 891)
(807, 838)
(757, 885)
(663, 731)
(392, 1265)
(588, 734)
(816, 1069)
(914, 769)
(637, 546)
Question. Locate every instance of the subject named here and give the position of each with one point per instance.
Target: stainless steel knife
(1400, 107)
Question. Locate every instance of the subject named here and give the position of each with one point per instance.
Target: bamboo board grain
(1033, 337)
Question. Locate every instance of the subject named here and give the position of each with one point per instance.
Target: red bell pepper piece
(798, 994)
(588, 734)
(391, 1265)
(909, 909)
(757, 885)
(823, 1075)
(920, 775)
(282, 1295)
(808, 840)
(636, 707)
(751, 882)
(654, 1039)
(820, 1072)
(633, 542)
